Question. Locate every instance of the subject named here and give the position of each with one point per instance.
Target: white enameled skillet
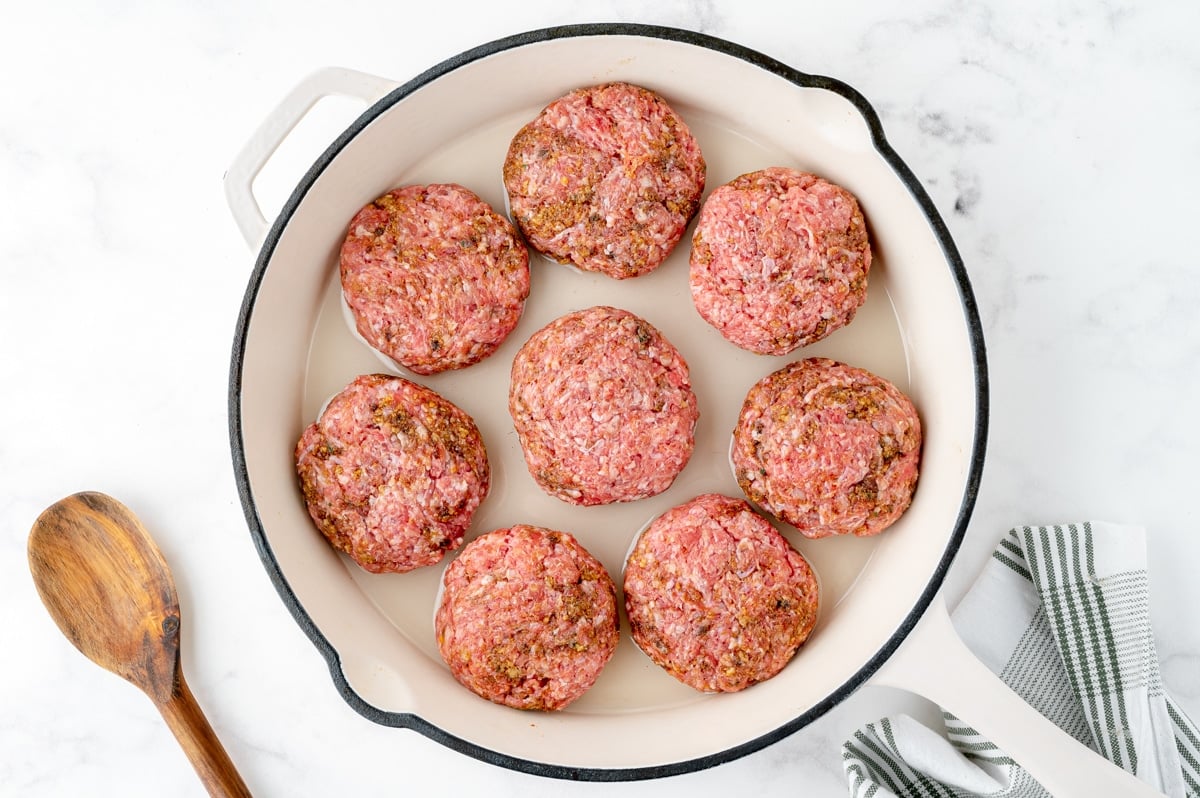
(919, 328)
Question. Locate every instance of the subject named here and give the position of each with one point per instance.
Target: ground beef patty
(605, 178)
(434, 277)
(779, 260)
(829, 448)
(603, 407)
(392, 473)
(716, 596)
(527, 618)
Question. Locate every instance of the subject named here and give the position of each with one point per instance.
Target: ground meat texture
(606, 178)
(392, 473)
(527, 618)
(434, 277)
(779, 260)
(716, 596)
(829, 448)
(603, 407)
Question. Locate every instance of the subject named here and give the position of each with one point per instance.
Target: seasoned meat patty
(829, 448)
(392, 473)
(606, 178)
(716, 596)
(779, 260)
(434, 278)
(527, 618)
(603, 407)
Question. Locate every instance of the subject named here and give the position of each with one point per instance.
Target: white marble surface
(1060, 140)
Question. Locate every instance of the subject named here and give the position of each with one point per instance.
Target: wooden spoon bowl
(108, 588)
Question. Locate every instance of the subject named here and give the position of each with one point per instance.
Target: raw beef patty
(829, 448)
(717, 596)
(779, 260)
(434, 278)
(392, 473)
(606, 178)
(527, 618)
(603, 407)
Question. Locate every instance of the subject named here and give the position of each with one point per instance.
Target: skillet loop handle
(274, 130)
(934, 663)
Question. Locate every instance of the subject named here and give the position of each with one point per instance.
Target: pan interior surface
(377, 630)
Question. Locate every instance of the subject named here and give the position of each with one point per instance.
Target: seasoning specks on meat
(434, 278)
(603, 407)
(605, 178)
(716, 596)
(527, 618)
(829, 448)
(392, 473)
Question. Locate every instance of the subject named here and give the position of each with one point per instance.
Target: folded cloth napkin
(1062, 615)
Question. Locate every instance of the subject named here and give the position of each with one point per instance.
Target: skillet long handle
(935, 664)
(274, 130)
(213, 765)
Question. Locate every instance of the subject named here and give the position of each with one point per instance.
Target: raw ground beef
(605, 178)
(603, 407)
(434, 278)
(392, 473)
(829, 448)
(527, 618)
(779, 260)
(717, 596)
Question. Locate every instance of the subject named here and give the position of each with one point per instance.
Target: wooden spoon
(109, 590)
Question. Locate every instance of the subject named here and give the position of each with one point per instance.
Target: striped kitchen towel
(1062, 614)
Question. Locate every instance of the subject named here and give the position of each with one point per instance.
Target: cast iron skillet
(920, 328)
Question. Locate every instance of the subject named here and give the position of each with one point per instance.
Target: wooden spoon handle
(201, 745)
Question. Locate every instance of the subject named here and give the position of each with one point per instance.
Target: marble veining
(1058, 141)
